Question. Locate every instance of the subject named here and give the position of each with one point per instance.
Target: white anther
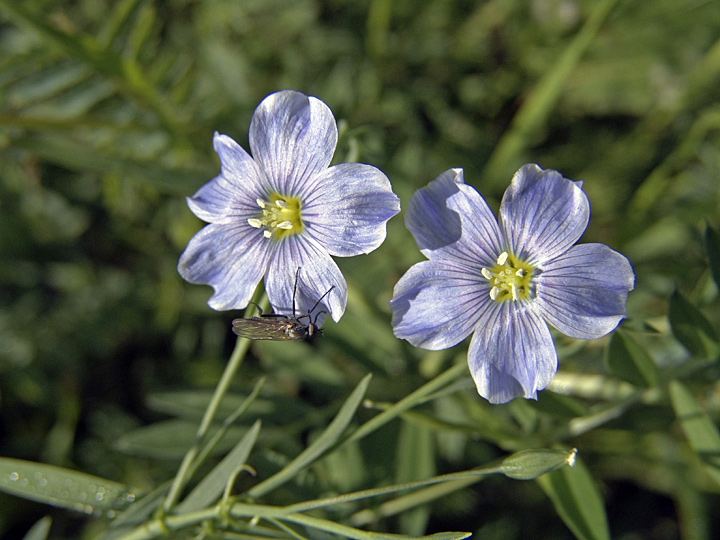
(502, 258)
(253, 222)
(280, 203)
(267, 234)
(487, 274)
(514, 291)
(520, 272)
(287, 225)
(260, 203)
(494, 292)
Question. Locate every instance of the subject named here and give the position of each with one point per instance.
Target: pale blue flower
(504, 282)
(285, 208)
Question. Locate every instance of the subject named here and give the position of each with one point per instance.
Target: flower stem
(183, 474)
(406, 403)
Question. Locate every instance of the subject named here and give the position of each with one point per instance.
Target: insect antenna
(316, 304)
(297, 275)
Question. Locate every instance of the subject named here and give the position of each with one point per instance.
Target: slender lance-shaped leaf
(415, 459)
(328, 438)
(61, 150)
(211, 487)
(40, 530)
(577, 501)
(700, 431)
(63, 487)
(691, 328)
(542, 100)
(627, 360)
(138, 511)
(127, 74)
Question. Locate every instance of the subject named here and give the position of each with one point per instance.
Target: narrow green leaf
(414, 460)
(328, 438)
(541, 101)
(63, 150)
(40, 530)
(530, 464)
(408, 402)
(712, 246)
(701, 433)
(342, 530)
(170, 439)
(627, 360)
(63, 488)
(139, 510)
(212, 486)
(577, 501)
(691, 328)
(126, 74)
(560, 405)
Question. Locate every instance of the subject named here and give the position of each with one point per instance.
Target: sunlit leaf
(211, 486)
(577, 501)
(701, 432)
(414, 460)
(327, 439)
(691, 328)
(40, 530)
(64, 488)
(627, 360)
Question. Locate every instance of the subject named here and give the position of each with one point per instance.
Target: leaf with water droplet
(64, 488)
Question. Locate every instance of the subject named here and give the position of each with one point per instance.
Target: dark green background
(107, 111)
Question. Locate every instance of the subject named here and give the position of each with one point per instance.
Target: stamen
(509, 279)
(279, 216)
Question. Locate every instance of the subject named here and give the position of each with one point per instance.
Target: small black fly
(277, 327)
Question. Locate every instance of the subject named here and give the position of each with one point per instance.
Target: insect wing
(265, 328)
(271, 329)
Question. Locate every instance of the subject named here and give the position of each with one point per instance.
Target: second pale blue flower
(503, 282)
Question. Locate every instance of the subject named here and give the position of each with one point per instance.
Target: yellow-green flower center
(279, 216)
(509, 279)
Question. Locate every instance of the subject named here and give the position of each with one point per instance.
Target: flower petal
(542, 214)
(346, 208)
(512, 354)
(451, 221)
(318, 275)
(231, 259)
(229, 197)
(583, 292)
(292, 137)
(436, 305)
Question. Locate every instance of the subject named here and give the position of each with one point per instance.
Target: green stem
(406, 403)
(188, 463)
(541, 101)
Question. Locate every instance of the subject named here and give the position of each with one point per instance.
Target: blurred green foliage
(107, 111)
